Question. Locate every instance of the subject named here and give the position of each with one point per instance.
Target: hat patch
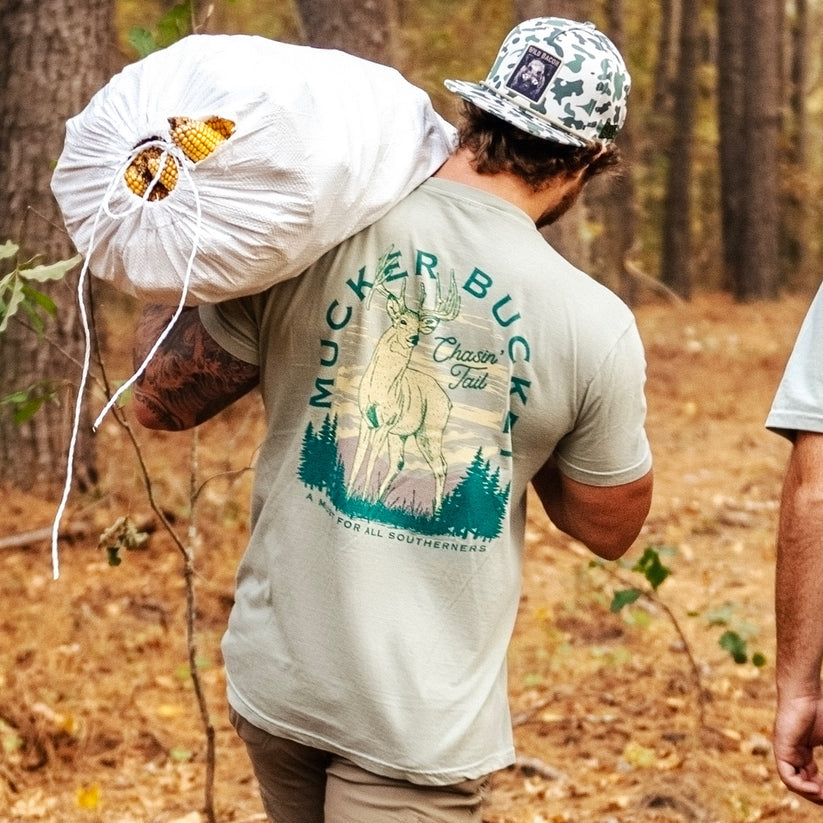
(533, 73)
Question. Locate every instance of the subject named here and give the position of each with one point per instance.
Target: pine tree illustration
(474, 507)
(306, 469)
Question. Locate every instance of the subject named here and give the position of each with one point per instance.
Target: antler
(446, 308)
(380, 276)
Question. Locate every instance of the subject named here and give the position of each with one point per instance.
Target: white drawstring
(177, 312)
(105, 208)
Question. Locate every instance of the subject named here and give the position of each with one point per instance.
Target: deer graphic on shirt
(397, 401)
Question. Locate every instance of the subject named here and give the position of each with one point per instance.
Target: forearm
(799, 572)
(189, 378)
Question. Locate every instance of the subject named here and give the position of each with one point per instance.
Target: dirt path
(98, 720)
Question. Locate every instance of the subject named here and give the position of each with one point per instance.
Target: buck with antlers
(397, 401)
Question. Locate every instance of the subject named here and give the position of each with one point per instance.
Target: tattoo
(190, 378)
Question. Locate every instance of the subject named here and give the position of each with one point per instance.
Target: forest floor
(631, 717)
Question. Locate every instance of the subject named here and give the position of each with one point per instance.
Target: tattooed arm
(190, 378)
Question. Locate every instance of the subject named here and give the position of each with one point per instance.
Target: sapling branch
(187, 552)
(655, 573)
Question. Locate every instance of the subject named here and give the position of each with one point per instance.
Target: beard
(559, 209)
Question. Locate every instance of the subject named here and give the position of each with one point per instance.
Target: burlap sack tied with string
(315, 145)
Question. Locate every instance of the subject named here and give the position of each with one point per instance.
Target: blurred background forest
(690, 128)
(722, 146)
(714, 233)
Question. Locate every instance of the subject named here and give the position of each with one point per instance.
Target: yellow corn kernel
(135, 180)
(196, 138)
(168, 176)
(221, 125)
(145, 167)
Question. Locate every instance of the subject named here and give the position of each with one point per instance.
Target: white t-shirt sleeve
(233, 326)
(609, 446)
(798, 403)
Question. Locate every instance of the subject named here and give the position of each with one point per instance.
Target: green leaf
(179, 754)
(15, 397)
(142, 41)
(36, 321)
(124, 398)
(746, 630)
(43, 300)
(734, 644)
(174, 24)
(8, 249)
(652, 568)
(52, 271)
(721, 616)
(625, 597)
(25, 411)
(759, 659)
(14, 297)
(27, 402)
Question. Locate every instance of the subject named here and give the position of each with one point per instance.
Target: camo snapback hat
(557, 79)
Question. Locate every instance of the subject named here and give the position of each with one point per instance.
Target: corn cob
(221, 125)
(135, 179)
(145, 167)
(199, 138)
(168, 176)
(196, 138)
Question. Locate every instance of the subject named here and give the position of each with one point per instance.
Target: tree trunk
(668, 48)
(54, 56)
(570, 9)
(676, 254)
(731, 80)
(620, 203)
(366, 28)
(758, 273)
(797, 195)
(799, 77)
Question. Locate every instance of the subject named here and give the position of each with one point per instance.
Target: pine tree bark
(757, 276)
(366, 28)
(796, 223)
(749, 97)
(54, 56)
(731, 77)
(620, 203)
(677, 247)
(571, 9)
(668, 50)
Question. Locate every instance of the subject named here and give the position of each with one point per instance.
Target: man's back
(434, 363)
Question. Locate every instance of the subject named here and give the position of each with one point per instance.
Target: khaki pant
(300, 784)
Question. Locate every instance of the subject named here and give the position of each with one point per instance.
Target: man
(415, 380)
(797, 413)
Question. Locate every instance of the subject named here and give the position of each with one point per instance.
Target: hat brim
(491, 102)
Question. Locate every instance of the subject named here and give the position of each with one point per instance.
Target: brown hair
(498, 146)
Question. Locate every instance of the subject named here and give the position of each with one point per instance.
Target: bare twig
(637, 273)
(191, 610)
(187, 552)
(539, 767)
(17, 541)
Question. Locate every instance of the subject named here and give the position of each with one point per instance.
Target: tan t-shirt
(414, 380)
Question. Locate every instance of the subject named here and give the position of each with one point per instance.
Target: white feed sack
(324, 144)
